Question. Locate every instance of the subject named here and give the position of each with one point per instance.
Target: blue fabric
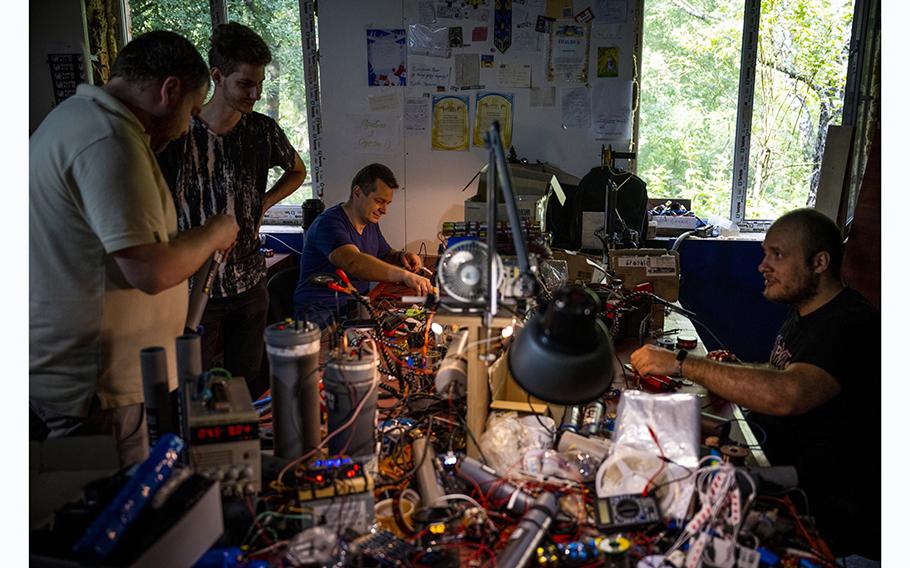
(330, 230)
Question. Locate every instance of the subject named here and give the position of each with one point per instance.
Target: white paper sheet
(514, 75)
(611, 33)
(424, 73)
(374, 134)
(612, 110)
(388, 102)
(524, 36)
(467, 70)
(611, 11)
(416, 111)
(426, 14)
(543, 96)
(576, 107)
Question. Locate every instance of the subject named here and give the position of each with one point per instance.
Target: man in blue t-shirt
(347, 236)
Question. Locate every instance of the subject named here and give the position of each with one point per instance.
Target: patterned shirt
(210, 174)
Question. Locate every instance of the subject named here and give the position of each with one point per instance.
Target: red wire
(663, 463)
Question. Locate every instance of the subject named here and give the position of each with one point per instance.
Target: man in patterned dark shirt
(222, 166)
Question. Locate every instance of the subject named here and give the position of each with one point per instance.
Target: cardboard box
(582, 267)
(658, 266)
(529, 179)
(530, 207)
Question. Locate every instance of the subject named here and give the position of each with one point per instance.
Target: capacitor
(687, 342)
(592, 417)
(734, 454)
(571, 419)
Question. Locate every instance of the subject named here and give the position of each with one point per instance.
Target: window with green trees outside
(689, 96)
(278, 22)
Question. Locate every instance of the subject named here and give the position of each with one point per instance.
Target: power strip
(284, 215)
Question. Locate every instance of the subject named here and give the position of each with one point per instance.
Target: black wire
(552, 433)
(708, 329)
(464, 425)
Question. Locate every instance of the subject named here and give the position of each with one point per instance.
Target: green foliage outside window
(689, 96)
(278, 22)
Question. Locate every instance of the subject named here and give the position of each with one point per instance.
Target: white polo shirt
(94, 189)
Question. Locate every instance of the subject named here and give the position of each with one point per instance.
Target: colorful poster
(386, 58)
(491, 107)
(567, 57)
(450, 122)
(608, 62)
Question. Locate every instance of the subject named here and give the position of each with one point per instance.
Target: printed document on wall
(429, 72)
(576, 108)
(492, 107)
(386, 58)
(612, 110)
(450, 122)
(567, 56)
(611, 11)
(415, 114)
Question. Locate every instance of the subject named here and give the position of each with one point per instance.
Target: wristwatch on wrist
(680, 357)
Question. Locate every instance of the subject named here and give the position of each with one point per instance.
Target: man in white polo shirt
(107, 269)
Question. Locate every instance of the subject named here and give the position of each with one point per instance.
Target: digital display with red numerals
(224, 433)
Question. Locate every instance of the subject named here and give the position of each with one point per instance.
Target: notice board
(413, 84)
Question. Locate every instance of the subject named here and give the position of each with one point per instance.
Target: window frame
(218, 10)
(746, 95)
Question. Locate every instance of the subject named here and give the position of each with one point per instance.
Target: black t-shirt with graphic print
(835, 447)
(210, 174)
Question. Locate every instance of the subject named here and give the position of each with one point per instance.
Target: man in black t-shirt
(222, 166)
(818, 399)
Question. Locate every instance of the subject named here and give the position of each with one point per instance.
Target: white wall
(55, 26)
(433, 179)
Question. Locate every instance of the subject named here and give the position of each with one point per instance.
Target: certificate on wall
(567, 56)
(491, 107)
(386, 58)
(450, 122)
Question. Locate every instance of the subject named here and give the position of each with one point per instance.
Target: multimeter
(620, 512)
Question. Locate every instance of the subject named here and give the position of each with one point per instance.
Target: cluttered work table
(404, 440)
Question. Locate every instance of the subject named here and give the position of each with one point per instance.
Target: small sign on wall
(67, 71)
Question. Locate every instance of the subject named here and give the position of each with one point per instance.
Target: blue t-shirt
(329, 231)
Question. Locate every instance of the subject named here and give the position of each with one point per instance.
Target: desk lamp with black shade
(563, 355)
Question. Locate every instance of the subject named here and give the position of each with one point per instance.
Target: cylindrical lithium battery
(571, 419)
(189, 367)
(158, 412)
(591, 418)
(349, 378)
(293, 352)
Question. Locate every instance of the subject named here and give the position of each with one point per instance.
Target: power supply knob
(233, 473)
(248, 472)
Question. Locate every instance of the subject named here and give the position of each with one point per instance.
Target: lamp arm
(494, 141)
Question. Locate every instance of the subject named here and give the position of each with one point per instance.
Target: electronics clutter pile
(359, 455)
